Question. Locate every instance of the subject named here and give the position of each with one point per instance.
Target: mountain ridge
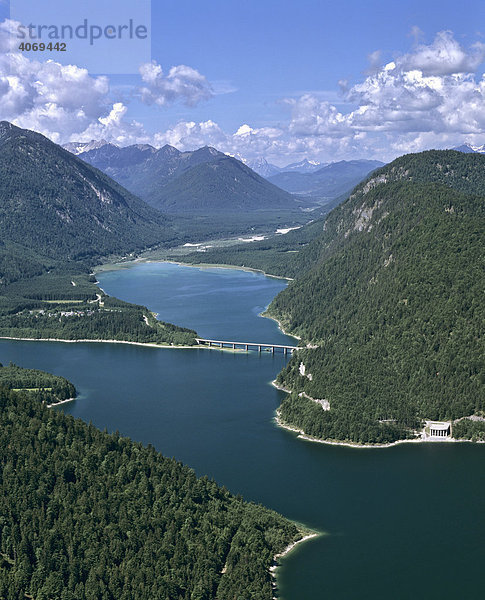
(391, 296)
(75, 201)
(164, 179)
(58, 217)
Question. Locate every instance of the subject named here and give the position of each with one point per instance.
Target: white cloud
(8, 41)
(181, 83)
(311, 116)
(66, 103)
(48, 97)
(398, 100)
(428, 97)
(431, 95)
(189, 135)
(444, 56)
(245, 141)
(374, 59)
(115, 128)
(416, 34)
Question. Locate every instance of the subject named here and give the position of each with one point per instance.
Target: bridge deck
(247, 345)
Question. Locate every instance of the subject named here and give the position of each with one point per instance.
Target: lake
(404, 522)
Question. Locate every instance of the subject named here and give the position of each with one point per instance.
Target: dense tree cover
(394, 300)
(224, 184)
(18, 262)
(66, 304)
(466, 429)
(42, 386)
(61, 207)
(113, 320)
(82, 321)
(390, 287)
(58, 217)
(460, 171)
(85, 514)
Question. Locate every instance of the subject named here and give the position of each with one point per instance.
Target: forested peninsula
(41, 386)
(87, 514)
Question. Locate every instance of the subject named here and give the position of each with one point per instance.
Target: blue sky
(281, 80)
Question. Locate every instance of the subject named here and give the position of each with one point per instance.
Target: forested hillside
(204, 181)
(224, 184)
(58, 205)
(392, 295)
(85, 514)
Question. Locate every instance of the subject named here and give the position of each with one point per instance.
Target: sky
(282, 80)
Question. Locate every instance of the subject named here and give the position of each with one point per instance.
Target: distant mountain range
(469, 149)
(304, 166)
(327, 182)
(78, 147)
(322, 182)
(262, 167)
(205, 180)
(266, 169)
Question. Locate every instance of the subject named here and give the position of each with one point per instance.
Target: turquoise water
(217, 303)
(405, 522)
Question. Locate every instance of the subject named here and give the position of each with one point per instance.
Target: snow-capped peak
(304, 166)
(471, 149)
(78, 147)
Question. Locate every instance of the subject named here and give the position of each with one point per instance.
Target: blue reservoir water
(401, 523)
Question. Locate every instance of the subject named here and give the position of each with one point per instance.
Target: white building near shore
(438, 429)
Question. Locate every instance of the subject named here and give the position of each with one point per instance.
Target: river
(404, 522)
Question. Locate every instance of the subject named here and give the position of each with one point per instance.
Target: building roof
(439, 425)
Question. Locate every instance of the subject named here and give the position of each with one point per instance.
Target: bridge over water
(247, 346)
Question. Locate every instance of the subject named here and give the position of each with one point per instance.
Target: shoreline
(280, 327)
(61, 402)
(106, 267)
(86, 341)
(145, 344)
(274, 567)
(226, 266)
(308, 438)
(120, 265)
